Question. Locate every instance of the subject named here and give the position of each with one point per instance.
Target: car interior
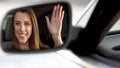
(41, 11)
(110, 45)
(96, 39)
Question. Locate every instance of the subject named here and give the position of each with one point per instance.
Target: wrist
(57, 40)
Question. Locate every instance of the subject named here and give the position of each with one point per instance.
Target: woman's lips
(22, 36)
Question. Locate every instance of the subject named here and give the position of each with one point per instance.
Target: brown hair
(34, 40)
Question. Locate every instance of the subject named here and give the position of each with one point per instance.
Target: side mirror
(38, 32)
(26, 24)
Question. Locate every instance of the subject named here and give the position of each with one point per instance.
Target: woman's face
(22, 27)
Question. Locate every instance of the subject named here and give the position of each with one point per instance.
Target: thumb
(47, 21)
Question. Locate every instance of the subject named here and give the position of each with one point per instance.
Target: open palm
(55, 24)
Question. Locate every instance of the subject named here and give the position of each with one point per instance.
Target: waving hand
(55, 24)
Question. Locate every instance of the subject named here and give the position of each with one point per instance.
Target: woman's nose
(22, 28)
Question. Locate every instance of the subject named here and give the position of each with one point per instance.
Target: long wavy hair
(34, 40)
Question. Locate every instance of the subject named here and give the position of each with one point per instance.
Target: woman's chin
(22, 41)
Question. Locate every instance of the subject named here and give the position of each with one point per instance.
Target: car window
(5, 21)
(116, 26)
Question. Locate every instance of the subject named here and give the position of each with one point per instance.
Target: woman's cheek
(29, 31)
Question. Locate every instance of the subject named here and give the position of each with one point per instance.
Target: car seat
(7, 41)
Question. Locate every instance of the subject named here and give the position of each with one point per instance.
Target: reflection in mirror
(36, 27)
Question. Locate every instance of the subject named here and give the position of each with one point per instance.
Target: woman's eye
(27, 23)
(17, 23)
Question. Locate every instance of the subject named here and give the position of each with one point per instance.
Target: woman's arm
(55, 25)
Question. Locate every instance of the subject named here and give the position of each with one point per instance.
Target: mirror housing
(73, 28)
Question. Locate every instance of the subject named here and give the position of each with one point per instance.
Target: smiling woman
(26, 33)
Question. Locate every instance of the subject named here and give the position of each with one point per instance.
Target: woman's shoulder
(44, 46)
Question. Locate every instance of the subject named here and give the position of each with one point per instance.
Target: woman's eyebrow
(27, 21)
(20, 21)
(17, 21)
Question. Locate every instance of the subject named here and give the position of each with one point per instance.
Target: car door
(97, 39)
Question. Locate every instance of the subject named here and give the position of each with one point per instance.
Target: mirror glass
(37, 27)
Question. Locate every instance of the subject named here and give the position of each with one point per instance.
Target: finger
(47, 21)
(54, 12)
(57, 10)
(62, 15)
(60, 11)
